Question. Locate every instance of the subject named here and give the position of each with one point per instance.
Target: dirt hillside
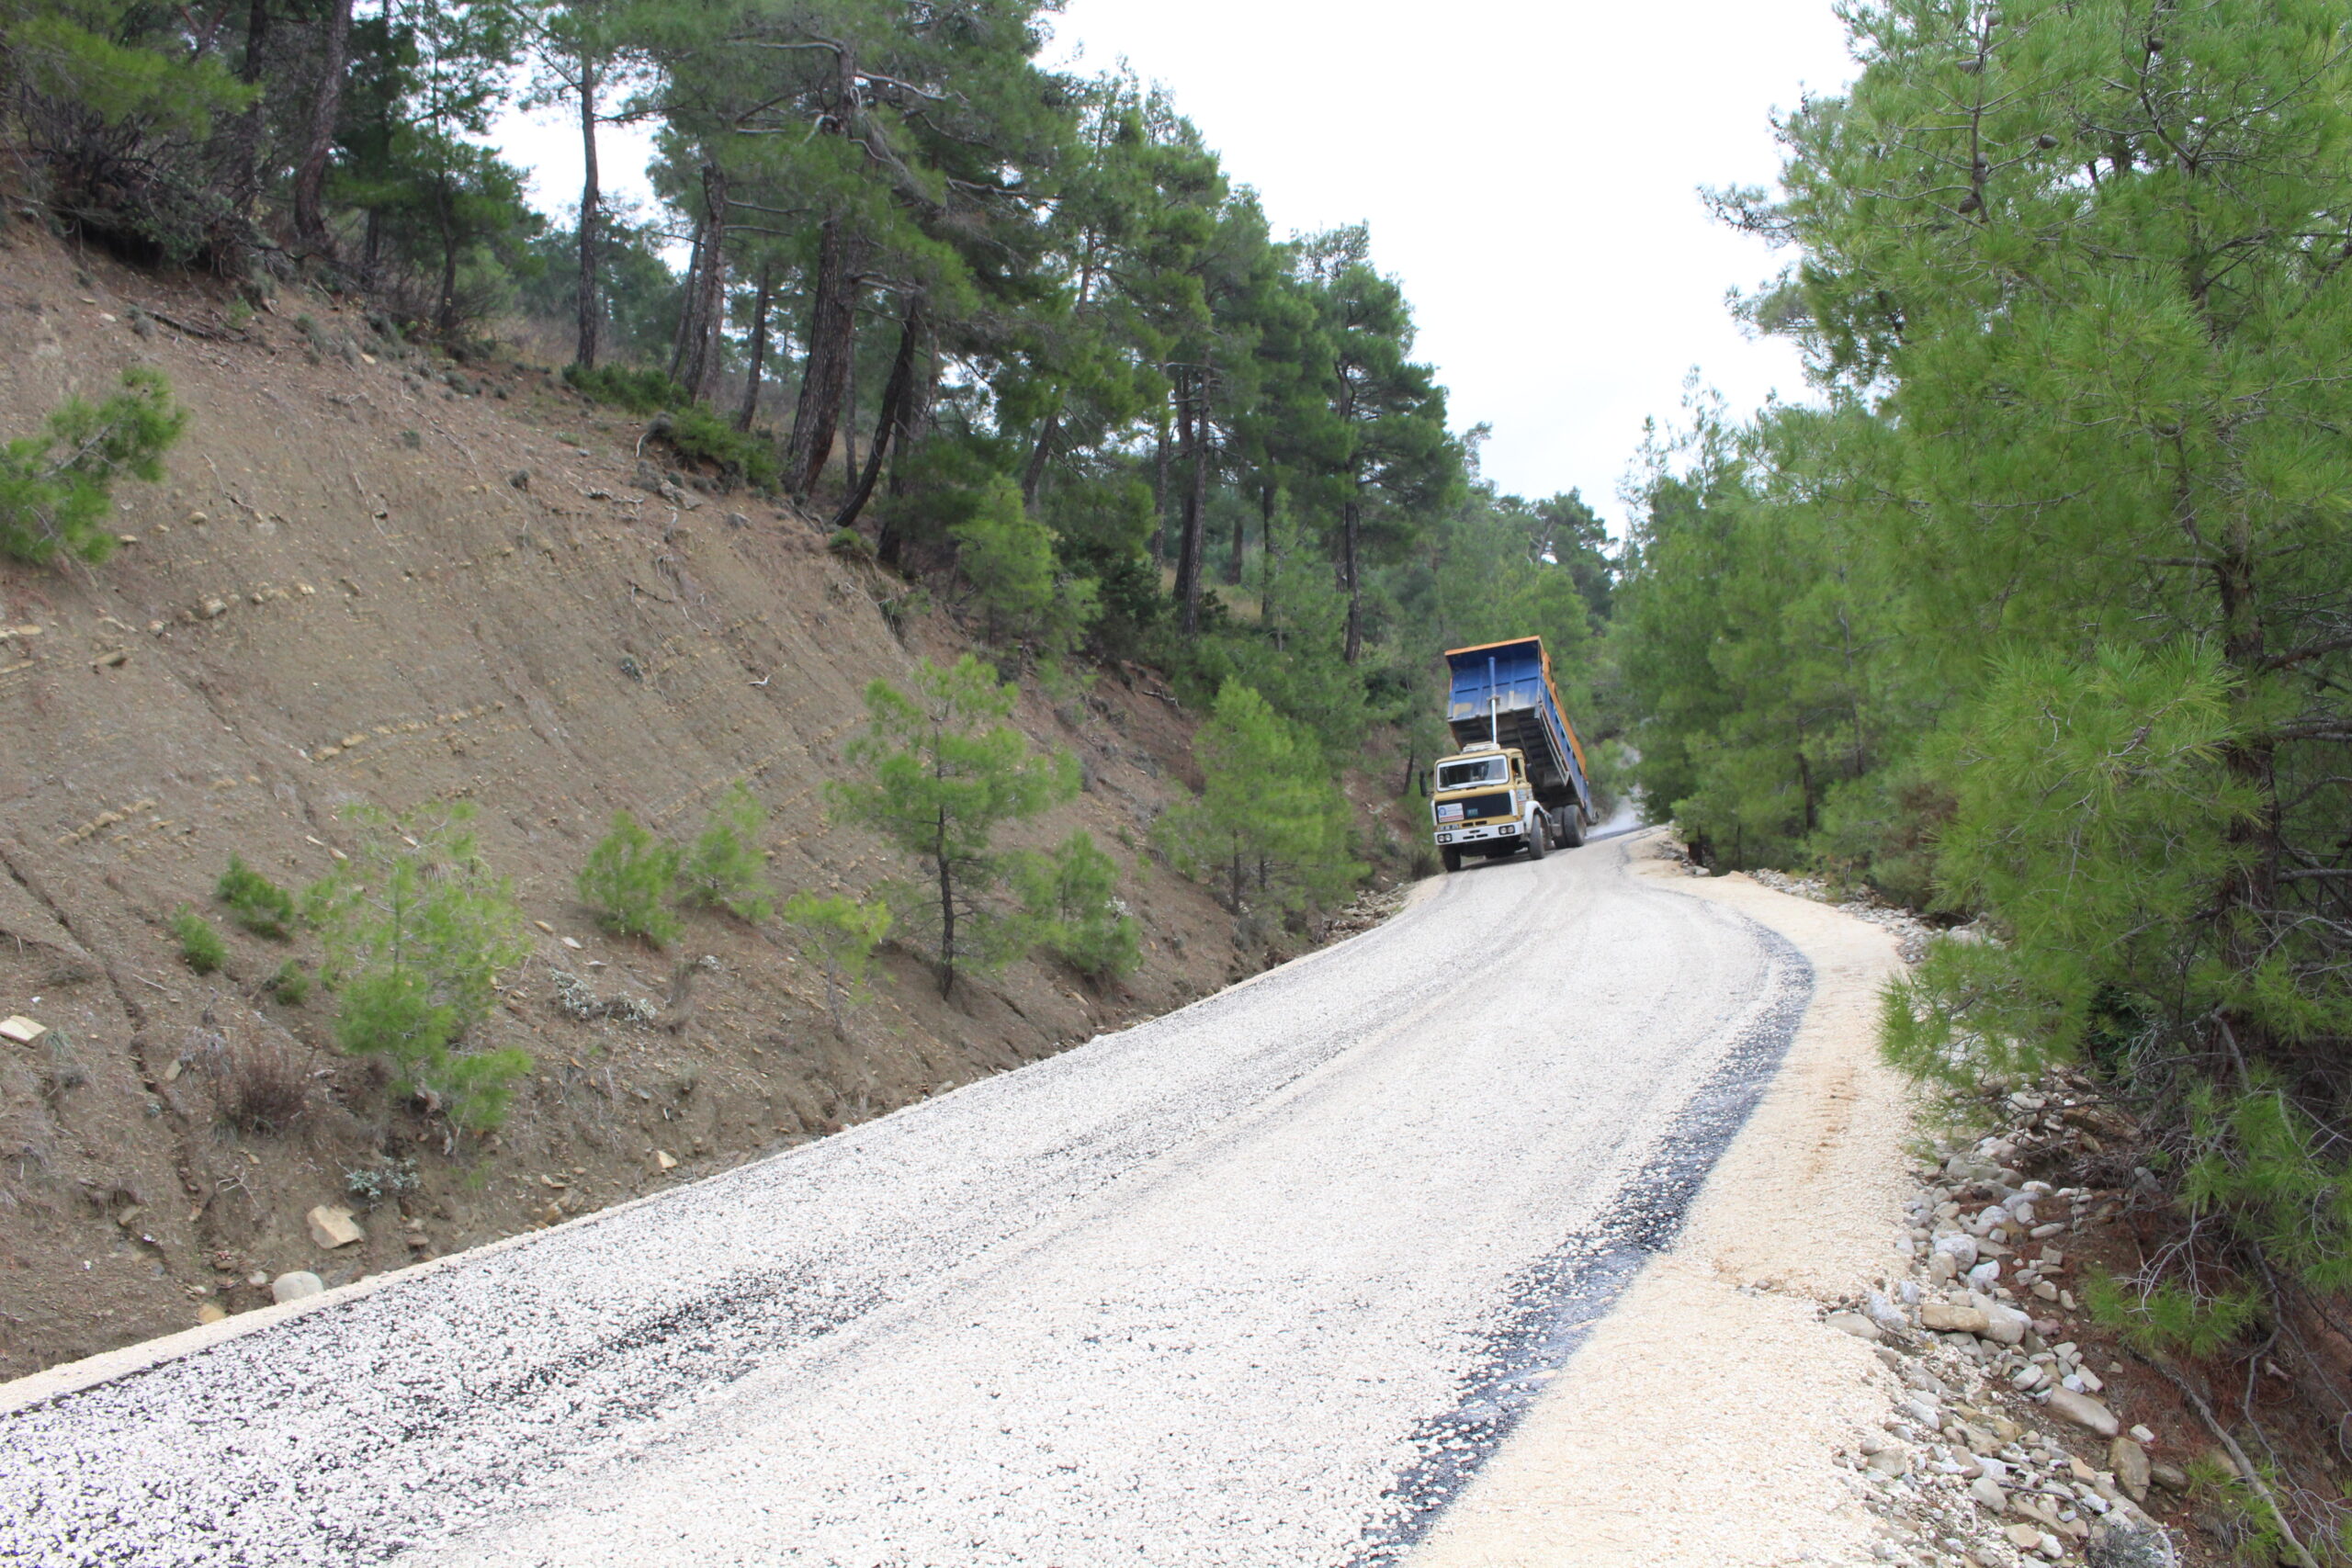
(375, 576)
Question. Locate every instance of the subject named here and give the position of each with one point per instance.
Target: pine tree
(944, 770)
(1269, 820)
(418, 928)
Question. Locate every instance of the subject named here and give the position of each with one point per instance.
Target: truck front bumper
(1473, 835)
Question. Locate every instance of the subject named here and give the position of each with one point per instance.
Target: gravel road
(1255, 1283)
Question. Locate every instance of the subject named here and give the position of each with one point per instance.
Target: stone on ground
(294, 1285)
(333, 1227)
(2130, 1463)
(2083, 1411)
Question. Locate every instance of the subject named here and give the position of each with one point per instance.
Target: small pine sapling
(943, 769)
(417, 928)
(55, 487)
(1073, 892)
(724, 870)
(290, 985)
(840, 934)
(202, 948)
(628, 880)
(259, 905)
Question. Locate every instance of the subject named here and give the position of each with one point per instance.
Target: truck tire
(1539, 834)
(1450, 857)
(1573, 825)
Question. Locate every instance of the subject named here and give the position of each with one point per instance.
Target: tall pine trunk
(832, 329)
(849, 420)
(894, 398)
(947, 912)
(914, 416)
(1269, 566)
(445, 315)
(245, 169)
(1159, 494)
(1190, 541)
(1233, 567)
(689, 304)
(750, 409)
(326, 100)
(591, 312)
(703, 359)
(1351, 523)
(1034, 473)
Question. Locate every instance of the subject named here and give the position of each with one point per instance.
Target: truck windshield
(1462, 775)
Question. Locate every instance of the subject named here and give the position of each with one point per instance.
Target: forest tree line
(2041, 613)
(1016, 330)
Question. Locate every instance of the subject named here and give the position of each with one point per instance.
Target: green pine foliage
(1025, 599)
(840, 934)
(202, 948)
(725, 869)
(701, 437)
(1270, 828)
(56, 487)
(629, 882)
(418, 928)
(259, 905)
(290, 985)
(942, 771)
(638, 391)
(1072, 893)
(2040, 615)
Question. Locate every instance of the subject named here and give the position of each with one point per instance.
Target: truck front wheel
(1539, 834)
(1450, 857)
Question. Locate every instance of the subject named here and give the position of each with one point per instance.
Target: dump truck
(1518, 783)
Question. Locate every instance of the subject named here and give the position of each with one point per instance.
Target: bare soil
(364, 583)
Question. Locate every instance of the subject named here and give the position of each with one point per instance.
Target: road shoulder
(1698, 1424)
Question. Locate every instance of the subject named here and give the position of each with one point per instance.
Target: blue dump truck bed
(1503, 692)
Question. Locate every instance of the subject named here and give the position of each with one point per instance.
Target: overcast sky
(1529, 169)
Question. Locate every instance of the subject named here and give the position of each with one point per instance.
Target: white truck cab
(1482, 800)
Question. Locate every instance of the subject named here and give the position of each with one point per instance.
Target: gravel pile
(1248, 1284)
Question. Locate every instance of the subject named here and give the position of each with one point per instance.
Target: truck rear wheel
(1573, 825)
(1450, 857)
(1539, 834)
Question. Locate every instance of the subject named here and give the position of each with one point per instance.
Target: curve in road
(1257, 1283)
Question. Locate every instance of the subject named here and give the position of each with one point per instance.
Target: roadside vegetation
(56, 487)
(2042, 618)
(1012, 334)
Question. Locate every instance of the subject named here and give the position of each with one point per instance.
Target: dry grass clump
(260, 1086)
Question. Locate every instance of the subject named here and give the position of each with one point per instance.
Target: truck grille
(1478, 806)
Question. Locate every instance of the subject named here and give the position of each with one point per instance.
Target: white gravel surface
(1233, 1287)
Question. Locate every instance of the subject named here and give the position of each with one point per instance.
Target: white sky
(1529, 169)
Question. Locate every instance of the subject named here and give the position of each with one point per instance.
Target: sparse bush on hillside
(290, 985)
(628, 880)
(638, 391)
(417, 928)
(840, 934)
(260, 904)
(1074, 893)
(55, 487)
(701, 437)
(260, 1086)
(202, 948)
(724, 870)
